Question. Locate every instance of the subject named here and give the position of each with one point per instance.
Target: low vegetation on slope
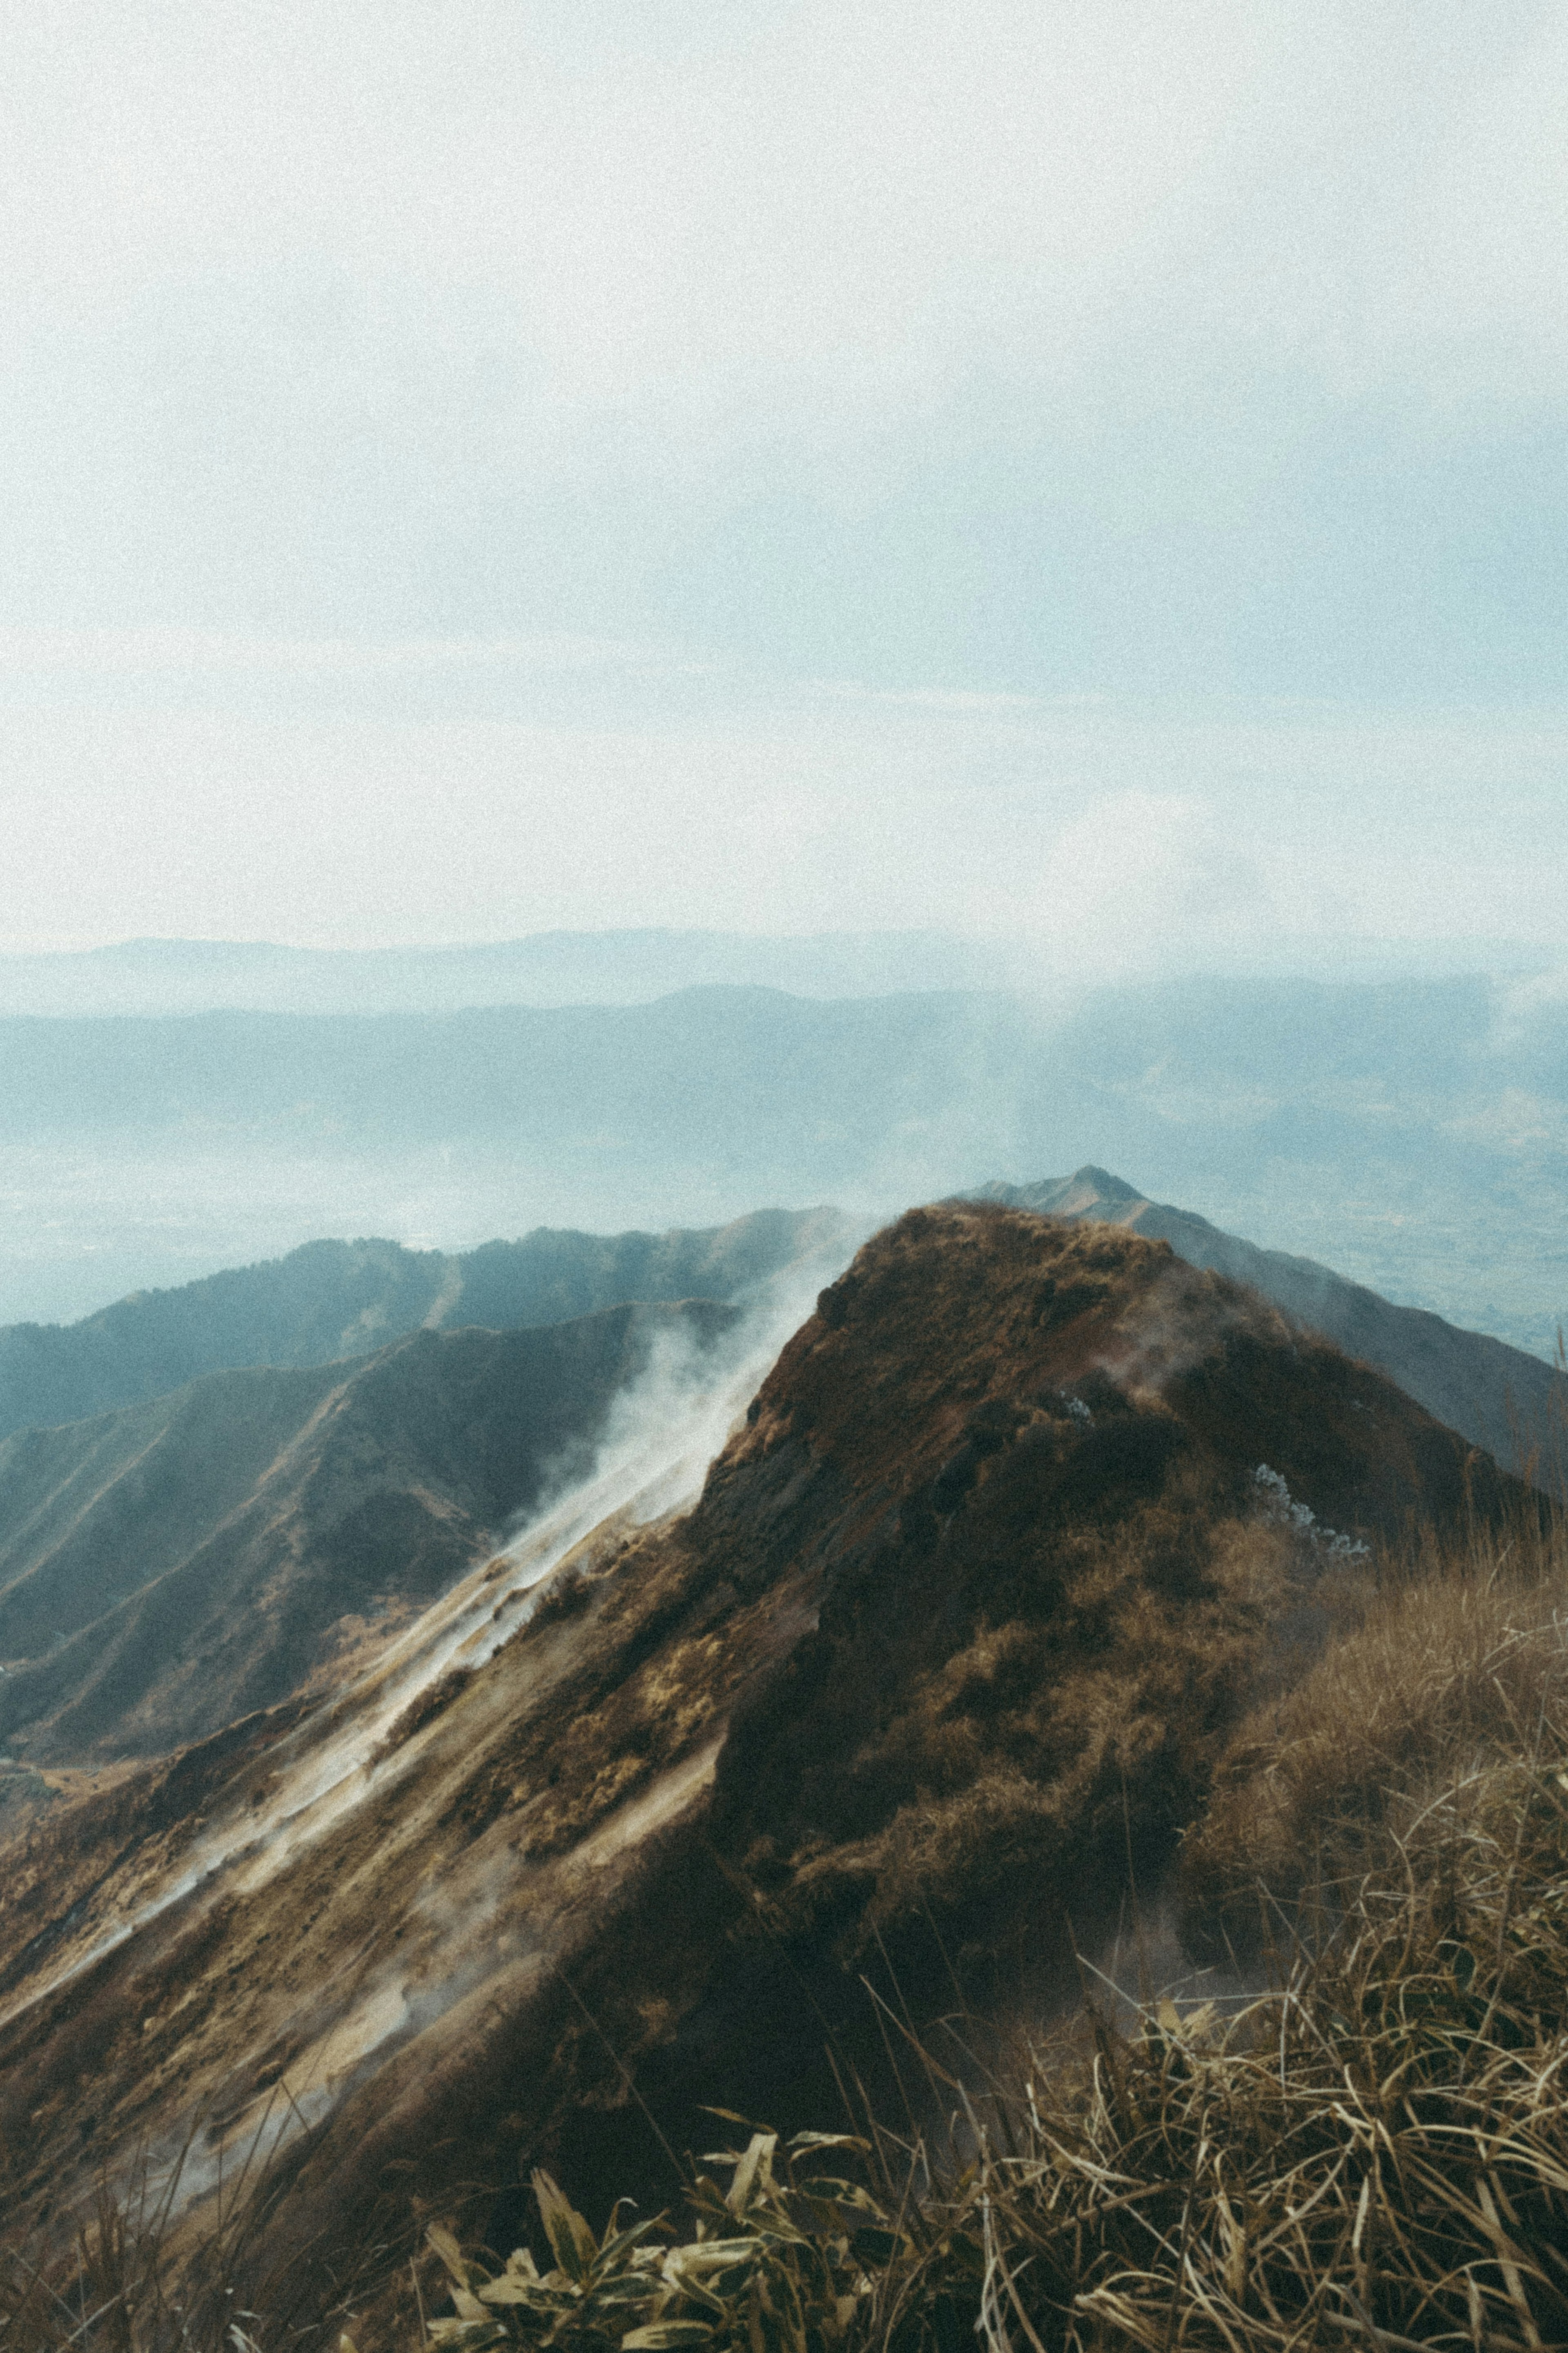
(1373, 2150)
(961, 1635)
(1512, 1403)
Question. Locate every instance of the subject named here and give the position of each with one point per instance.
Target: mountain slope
(956, 1631)
(1512, 1403)
(174, 1565)
(330, 1300)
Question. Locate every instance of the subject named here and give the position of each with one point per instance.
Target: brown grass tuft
(1456, 1660)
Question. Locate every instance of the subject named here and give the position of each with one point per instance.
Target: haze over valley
(1411, 1131)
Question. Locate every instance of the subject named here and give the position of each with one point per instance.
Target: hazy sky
(1090, 470)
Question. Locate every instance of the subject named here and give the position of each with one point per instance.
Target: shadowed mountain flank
(331, 1300)
(172, 1567)
(1509, 1402)
(966, 1614)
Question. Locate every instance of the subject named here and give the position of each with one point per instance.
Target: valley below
(1413, 1135)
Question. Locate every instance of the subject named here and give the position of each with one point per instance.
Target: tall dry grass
(1369, 2149)
(1454, 1660)
(1372, 2149)
(144, 2266)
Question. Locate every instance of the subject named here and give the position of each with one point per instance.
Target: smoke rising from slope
(662, 1433)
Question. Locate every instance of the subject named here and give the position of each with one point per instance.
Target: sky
(1094, 473)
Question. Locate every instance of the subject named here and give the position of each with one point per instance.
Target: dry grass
(132, 2269)
(1457, 1660)
(1370, 2150)
(1373, 2150)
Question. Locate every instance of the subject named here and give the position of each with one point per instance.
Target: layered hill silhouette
(330, 1300)
(1513, 1404)
(161, 977)
(139, 1150)
(171, 1564)
(170, 1567)
(1023, 1517)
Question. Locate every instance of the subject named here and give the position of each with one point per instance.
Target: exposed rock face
(1513, 1404)
(955, 1634)
(172, 1567)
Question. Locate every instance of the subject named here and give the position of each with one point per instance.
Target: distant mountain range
(331, 1300)
(1414, 1134)
(611, 967)
(157, 977)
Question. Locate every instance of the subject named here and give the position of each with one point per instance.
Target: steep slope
(954, 1635)
(330, 1300)
(1512, 1403)
(172, 1567)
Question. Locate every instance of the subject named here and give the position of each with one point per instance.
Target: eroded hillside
(966, 1614)
(172, 1567)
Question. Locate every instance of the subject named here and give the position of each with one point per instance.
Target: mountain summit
(1022, 1518)
(1513, 1404)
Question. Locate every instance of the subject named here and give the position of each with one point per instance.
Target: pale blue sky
(471, 468)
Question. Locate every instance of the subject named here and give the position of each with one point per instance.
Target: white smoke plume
(652, 1456)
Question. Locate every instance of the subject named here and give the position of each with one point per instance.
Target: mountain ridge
(155, 975)
(959, 1626)
(331, 1300)
(173, 1566)
(1509, 1402)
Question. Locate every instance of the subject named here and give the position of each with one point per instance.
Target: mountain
(330, 1300)
(170, 1567)
(1022, 1518)
(727, 1072)
(159, 976)
(1409, 1132)
(1505, 1400)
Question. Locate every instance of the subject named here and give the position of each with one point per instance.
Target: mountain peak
(960, 1621)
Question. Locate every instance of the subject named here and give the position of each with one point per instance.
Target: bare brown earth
(954, 1638)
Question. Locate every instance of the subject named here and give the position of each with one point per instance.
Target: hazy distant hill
(168, 1568)
(330, 1300)
(1503, 1399)
(152, 976)
(738, 1076)
(1411, 1134)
